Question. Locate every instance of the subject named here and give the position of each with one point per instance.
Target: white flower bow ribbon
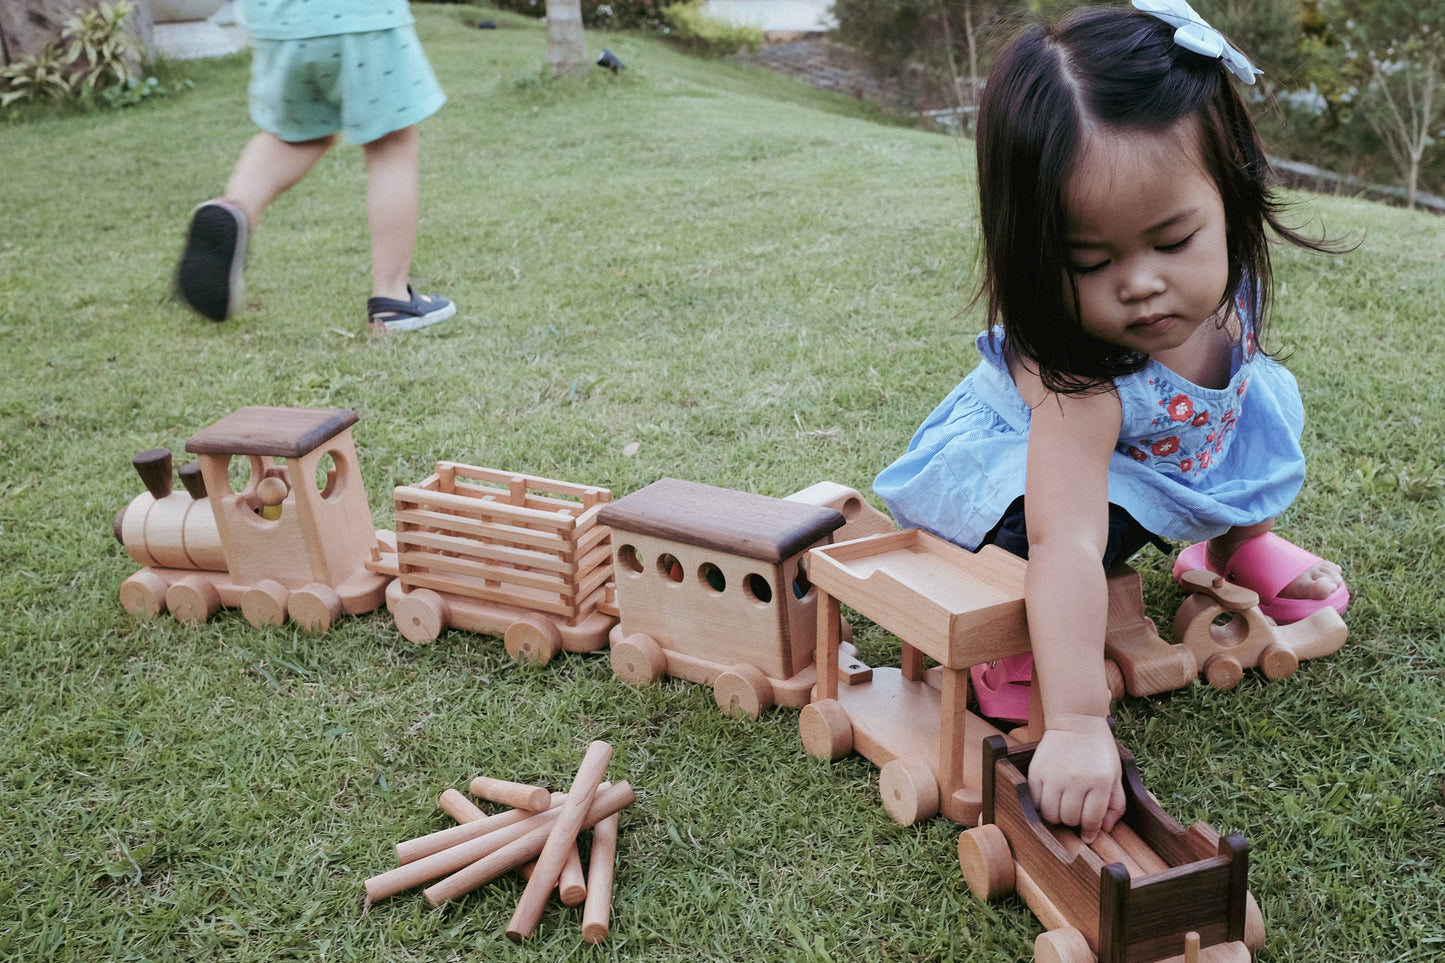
(1192, 33)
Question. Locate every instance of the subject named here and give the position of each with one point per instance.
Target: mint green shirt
(299, 19)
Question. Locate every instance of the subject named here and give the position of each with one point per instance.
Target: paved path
(776, 16)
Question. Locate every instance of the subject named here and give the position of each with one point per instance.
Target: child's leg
(267, 167)
(1319, 581)
(393, 202)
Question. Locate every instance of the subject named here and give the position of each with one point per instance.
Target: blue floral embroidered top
(1190, 461)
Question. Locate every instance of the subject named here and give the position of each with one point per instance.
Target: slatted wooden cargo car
(504, 554)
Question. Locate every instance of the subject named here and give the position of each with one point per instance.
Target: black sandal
(389, 314)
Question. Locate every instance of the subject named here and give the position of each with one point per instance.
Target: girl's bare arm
(1075, 775)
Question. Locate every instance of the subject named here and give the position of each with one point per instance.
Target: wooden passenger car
(504, 554)
(1148, 891)
(711, 587)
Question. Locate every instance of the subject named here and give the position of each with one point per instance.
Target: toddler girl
(1123, 394)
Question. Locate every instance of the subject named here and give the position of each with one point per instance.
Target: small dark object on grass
(486, 25)
(609, 60)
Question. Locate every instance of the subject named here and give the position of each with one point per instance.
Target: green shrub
(694, 30)
(97, 66)
(37, 77)
(616, 15)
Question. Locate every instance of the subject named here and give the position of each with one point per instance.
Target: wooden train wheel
(144, 594)
(265, 603)
(986, 861)
(826, 729)
(743, 691)
(420, 615)
(638, 659)
(1066, 945)
(909, 790)
(193, 599)
(534, 639)
(1254, 935)
(314, 607)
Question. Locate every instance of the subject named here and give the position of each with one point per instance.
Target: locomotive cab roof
(271, 432)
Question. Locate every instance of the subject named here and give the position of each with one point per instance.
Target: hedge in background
(617, 15)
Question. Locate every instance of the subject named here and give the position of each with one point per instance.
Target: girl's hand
(1075, 776)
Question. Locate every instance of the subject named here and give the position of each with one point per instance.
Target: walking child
(319, 68)
(1124, 394)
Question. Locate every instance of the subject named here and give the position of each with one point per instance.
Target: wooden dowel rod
(515, 794)
(520, 851)
(1111, 852)
(1191, 947)
(454, 858)
(511, 856)
(459, 807)
(572, 882)
(601, 868)
(560, 841)
(1148, 860)
(443, 839)
(1068, 837)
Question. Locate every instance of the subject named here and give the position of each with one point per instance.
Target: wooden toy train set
(742, 592)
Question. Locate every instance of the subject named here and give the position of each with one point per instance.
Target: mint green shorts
(364, 85)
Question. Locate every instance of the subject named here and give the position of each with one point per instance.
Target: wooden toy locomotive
(296, 537)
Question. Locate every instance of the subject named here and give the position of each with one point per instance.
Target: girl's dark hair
(1109, 68)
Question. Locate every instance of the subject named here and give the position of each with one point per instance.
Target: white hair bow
(1192, 33)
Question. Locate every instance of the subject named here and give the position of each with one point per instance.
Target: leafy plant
(694, 29)
(39, 76)
(94, 66)
(613, 15)
(99, 38)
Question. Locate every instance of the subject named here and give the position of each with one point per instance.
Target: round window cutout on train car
(330, 477)
(669, 567)
(712, 576)
(802, 585)
(758, 588)
(629, 559)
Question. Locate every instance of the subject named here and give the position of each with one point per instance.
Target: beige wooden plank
(442, 564)
(474, 590)
(411, 541)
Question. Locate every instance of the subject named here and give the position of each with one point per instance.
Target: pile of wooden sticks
(538, 835)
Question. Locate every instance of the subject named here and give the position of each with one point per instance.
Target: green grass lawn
(694, 269)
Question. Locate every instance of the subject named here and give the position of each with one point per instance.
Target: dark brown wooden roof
(739, 523)
(274, 432)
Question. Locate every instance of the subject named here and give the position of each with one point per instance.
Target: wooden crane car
(1219, 630)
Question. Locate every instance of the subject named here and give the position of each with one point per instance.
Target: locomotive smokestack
(192, 479)
(154, 468)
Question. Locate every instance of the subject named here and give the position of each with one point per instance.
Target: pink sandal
(1266, 564)
(1002, 687)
